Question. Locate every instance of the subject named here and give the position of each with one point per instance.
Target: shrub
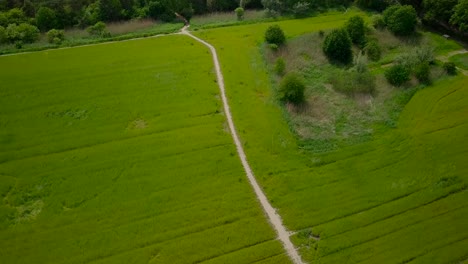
(321, 33)
(352, 82)
(272, 7)
(273, 47)
(46, 18)
(275, 35)
(450, 68)
(55, 36)
(397, 75)
(378, 22)
(401, 20)
(422, 73)
(337, 46)
(292, 89)
(239, 13)
(19, 44)
(460, 15)
(187, 12)
(280, 66)
(28, 33)
(425, 54)
(373, 50)
(99, 29)
(356, 30)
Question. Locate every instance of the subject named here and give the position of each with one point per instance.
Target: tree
(397, 75)
(450, 68)
(337, 46)
(401, 20)
(356, 30)
(24, 32)
(99, 30)
(438, 10)
(292, 89)
(275, 35)
(422, 73)
(46, 19)
(3, 36)
(272, 7)
(110, 10)
(378, 5)
(460, 16)
(239, 13)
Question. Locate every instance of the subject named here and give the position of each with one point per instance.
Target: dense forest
(22, 18)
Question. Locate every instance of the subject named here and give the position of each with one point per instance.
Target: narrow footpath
(273, 217)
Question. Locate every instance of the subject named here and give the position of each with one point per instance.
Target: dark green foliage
(187, 12)
(109, 10)
(28, 8)
(378, 5)
(292, 89)
(275, 35)
(301, 9)
(55, 36)
(356, 30)
(13, 16)
(3, 36)
(397, 75)
(373, 50)
(422, 73)
(272, 7)
(98, 30)
(280, 66)
(337, 46)
(46, 19)
(239, 13)
(438, 10)
(460, 16)
(450, 68)
(401, 20)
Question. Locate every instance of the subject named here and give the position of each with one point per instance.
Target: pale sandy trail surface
(273, 217)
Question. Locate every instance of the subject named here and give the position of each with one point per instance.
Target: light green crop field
(119, 153)
(400, 198)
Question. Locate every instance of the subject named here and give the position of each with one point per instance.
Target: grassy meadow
(399, 198)
(119, 153)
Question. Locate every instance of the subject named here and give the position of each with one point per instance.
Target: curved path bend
(273, 217)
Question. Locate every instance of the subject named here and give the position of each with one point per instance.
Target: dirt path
(273, 217)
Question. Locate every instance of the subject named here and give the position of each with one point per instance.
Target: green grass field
(119, 153)
(400, 198)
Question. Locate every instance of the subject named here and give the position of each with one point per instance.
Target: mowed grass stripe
(119, 154)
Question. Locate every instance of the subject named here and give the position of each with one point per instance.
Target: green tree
(401, 20)
(356, 30)
(397, 75)
(373, 50)
(460, 16)
(3, 35)
(46, 19)
(55, 36)
(337, 46)
(292, 89)
(378, 5)
(239, 13)
(109, 10)
(275, 35)
(438, 10)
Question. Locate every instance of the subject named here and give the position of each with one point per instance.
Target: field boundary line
(273, 217)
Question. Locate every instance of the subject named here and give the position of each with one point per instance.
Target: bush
(352, 82)
(321, 33)
(337, 46)
(273, 47)
(275, 35)
(356, 30)
(239, 13)
(292, 89)
(397, 75)
(55, 36)
(373, 50)
(450, 68)
(46, 19)
(422, 73)
(460, 16)
(187, 12)
(24, 32)
(401, 20)
(378, 22)
(280, 66)
(99, 30)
